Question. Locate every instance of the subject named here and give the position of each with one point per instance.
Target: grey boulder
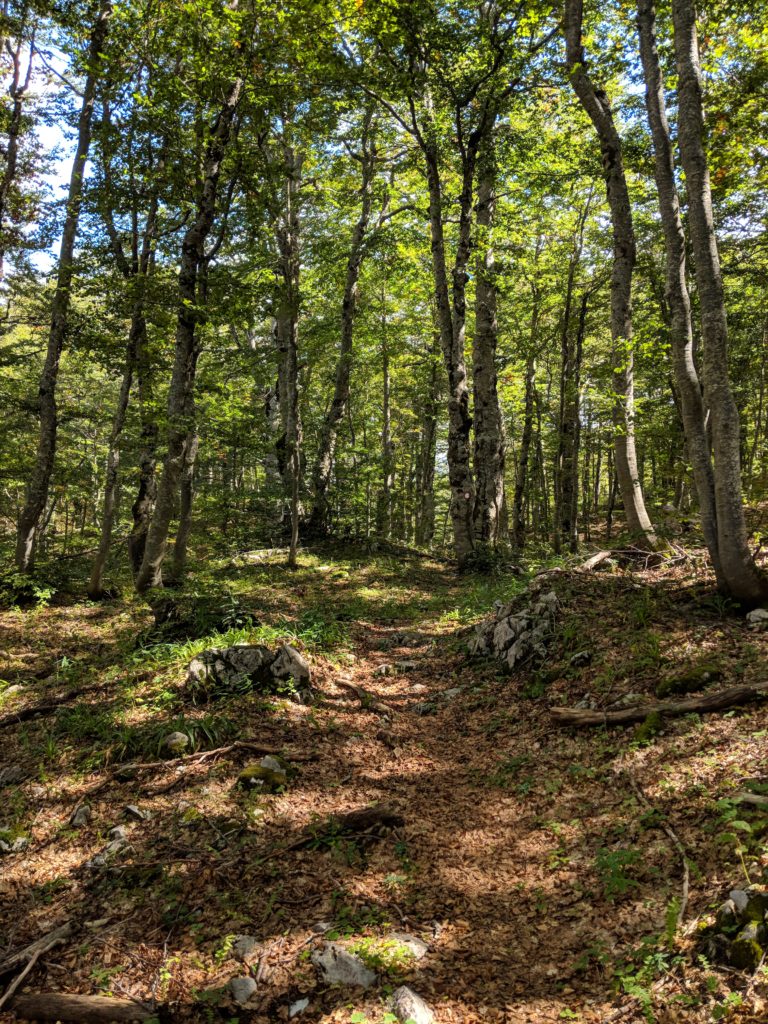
(410, 1007)
(337, 966)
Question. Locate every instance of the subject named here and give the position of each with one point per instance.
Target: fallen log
(718, 700)
(594, 560)
(96, 1009)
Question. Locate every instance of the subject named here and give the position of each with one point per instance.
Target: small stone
(758, 618)
(321, 927)
(135, 813)
(272, 763)
(176, 742)
(117, 833)
(406, 666)
(419, 688)
(11, 691)
(411, 1008)
(339, 967)
(740, 900)
(257, 777)
(580, 659)
(80, 816)
(424, 708)
(383, 670)
(298, 1007)
(453, 692)
(417, 947)
(115, 848)
(19, 844)
(36, 791)
(245, 946)
(241, 989)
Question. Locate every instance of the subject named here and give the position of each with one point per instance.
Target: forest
(384, 511)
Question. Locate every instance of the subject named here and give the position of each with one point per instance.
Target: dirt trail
(526, 862)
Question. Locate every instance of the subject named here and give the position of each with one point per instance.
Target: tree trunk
(179, 564)
(95, 586)
(37, 491)
(521, 480)
(451, 315)
(17, 91)
(144, 505)
(425, 497)
(321, 476)
(384, 504)
(489, 426)
(180, 396)
(742, 579)
(566, 527)
(677, 297)
(596, 104)
(287, 333)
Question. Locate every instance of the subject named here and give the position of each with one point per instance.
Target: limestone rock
(416, 946)
(515, 636)
(298, 1007)
(245, 947)
(80, 816)
(136, 813)
(339, 967)
(290, 664)
(757, 619)
(176, 743)
(410, 1007)
(241, 989)
(118, 832)
(748, 948)
(245, 667)
(258, 777)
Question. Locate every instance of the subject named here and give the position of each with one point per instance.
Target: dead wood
(365, 823)
(594, 560)
(97, 1009)
(36, 948)
(719, 700)
(755, 799)
(25, 714)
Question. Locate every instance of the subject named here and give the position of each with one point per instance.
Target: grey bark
(321, 475)
(384, 503)
(677, 297)
(187, 488)
(190, 313)
(596, 104)
(521, 479)
(287, 336)
(740, 576)
(37, 490)
(425, 472)
(17, 90)
(489, 427)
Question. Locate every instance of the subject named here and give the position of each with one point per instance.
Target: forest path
(525, 861)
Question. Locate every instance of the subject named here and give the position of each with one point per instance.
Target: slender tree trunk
(489, 426)
(742, 579)
(570, 425)
(677, 297)
(144, 505)
(187, 488)
(288, 343)
(321, 476)
(451, 316)
(180, 397)
(521, 480)
(384, 504)
(17, 91)
(425, 497)
(596, 104)
(37, 491)
(96, 584)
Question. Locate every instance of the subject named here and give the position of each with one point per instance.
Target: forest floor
(535, 862)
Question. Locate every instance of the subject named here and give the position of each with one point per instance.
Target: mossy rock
(690, 681)
(650, 728)
(757, 908)
(748, 948)
(267, 780)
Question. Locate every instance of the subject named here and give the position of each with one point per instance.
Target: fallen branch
(751, 798)
(675, 840)
(719, 700)
(87, 1009)
(594, 560)
(368, 701)
(25, 714)
(36, 948)
(367, 822)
